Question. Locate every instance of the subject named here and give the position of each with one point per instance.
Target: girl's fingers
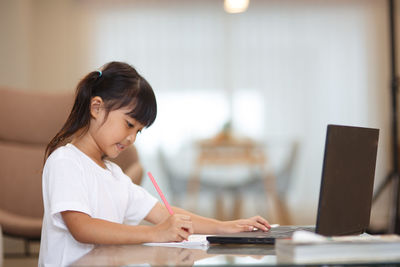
(251, 227)
(254, 222)
(258, 221)
(245, 227)
(187, 226)
(261, 226)
(183, 221)
(263, 221)
(183, 234)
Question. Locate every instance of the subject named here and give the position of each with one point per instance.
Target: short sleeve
(67, 189)
(140, 204)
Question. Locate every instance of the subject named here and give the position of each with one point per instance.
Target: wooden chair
(226, 150)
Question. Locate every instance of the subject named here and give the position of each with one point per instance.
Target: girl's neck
(87, 145)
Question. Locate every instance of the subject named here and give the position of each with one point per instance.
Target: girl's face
(114, 133)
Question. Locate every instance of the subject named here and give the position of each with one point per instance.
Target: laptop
(346, 189)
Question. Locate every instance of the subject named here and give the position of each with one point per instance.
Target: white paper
(194, 242)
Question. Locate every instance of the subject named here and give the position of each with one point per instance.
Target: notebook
(346, 189)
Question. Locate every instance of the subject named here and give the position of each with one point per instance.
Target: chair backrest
(28, 121)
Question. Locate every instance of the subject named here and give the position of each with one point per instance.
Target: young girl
(89, 200)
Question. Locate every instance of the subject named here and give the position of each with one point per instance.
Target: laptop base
(258, 237)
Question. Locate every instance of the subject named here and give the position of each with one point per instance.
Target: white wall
(312, 62)
(15, 43)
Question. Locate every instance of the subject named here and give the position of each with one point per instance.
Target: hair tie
(100, 73)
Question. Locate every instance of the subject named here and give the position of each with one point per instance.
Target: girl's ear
(96, 104)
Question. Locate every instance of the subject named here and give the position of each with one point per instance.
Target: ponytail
(79, 117)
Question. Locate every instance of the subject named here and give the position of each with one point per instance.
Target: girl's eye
(130, 125)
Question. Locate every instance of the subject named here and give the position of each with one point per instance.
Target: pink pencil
(160, 193)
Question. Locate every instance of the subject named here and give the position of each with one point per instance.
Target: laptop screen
(347, 180)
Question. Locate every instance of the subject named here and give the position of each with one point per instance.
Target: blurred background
(267, 80)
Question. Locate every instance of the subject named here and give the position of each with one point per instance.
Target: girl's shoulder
(67, 153)
(67, 150)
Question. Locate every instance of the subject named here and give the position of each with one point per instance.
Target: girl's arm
(167, 228)
(204, 225)
(86, 229)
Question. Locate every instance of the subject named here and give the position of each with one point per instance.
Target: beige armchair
(28, 121)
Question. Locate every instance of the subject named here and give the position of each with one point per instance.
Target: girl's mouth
(120, 147)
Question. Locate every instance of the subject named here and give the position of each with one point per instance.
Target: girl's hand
(245, 225)
(175, 228)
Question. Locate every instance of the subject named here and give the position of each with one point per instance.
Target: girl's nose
(131, 138)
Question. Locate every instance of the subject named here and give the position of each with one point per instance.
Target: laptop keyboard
(286, 231)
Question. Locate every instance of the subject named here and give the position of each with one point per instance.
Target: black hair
(119, 85)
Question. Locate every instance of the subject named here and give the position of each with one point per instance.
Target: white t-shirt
(73, 181)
